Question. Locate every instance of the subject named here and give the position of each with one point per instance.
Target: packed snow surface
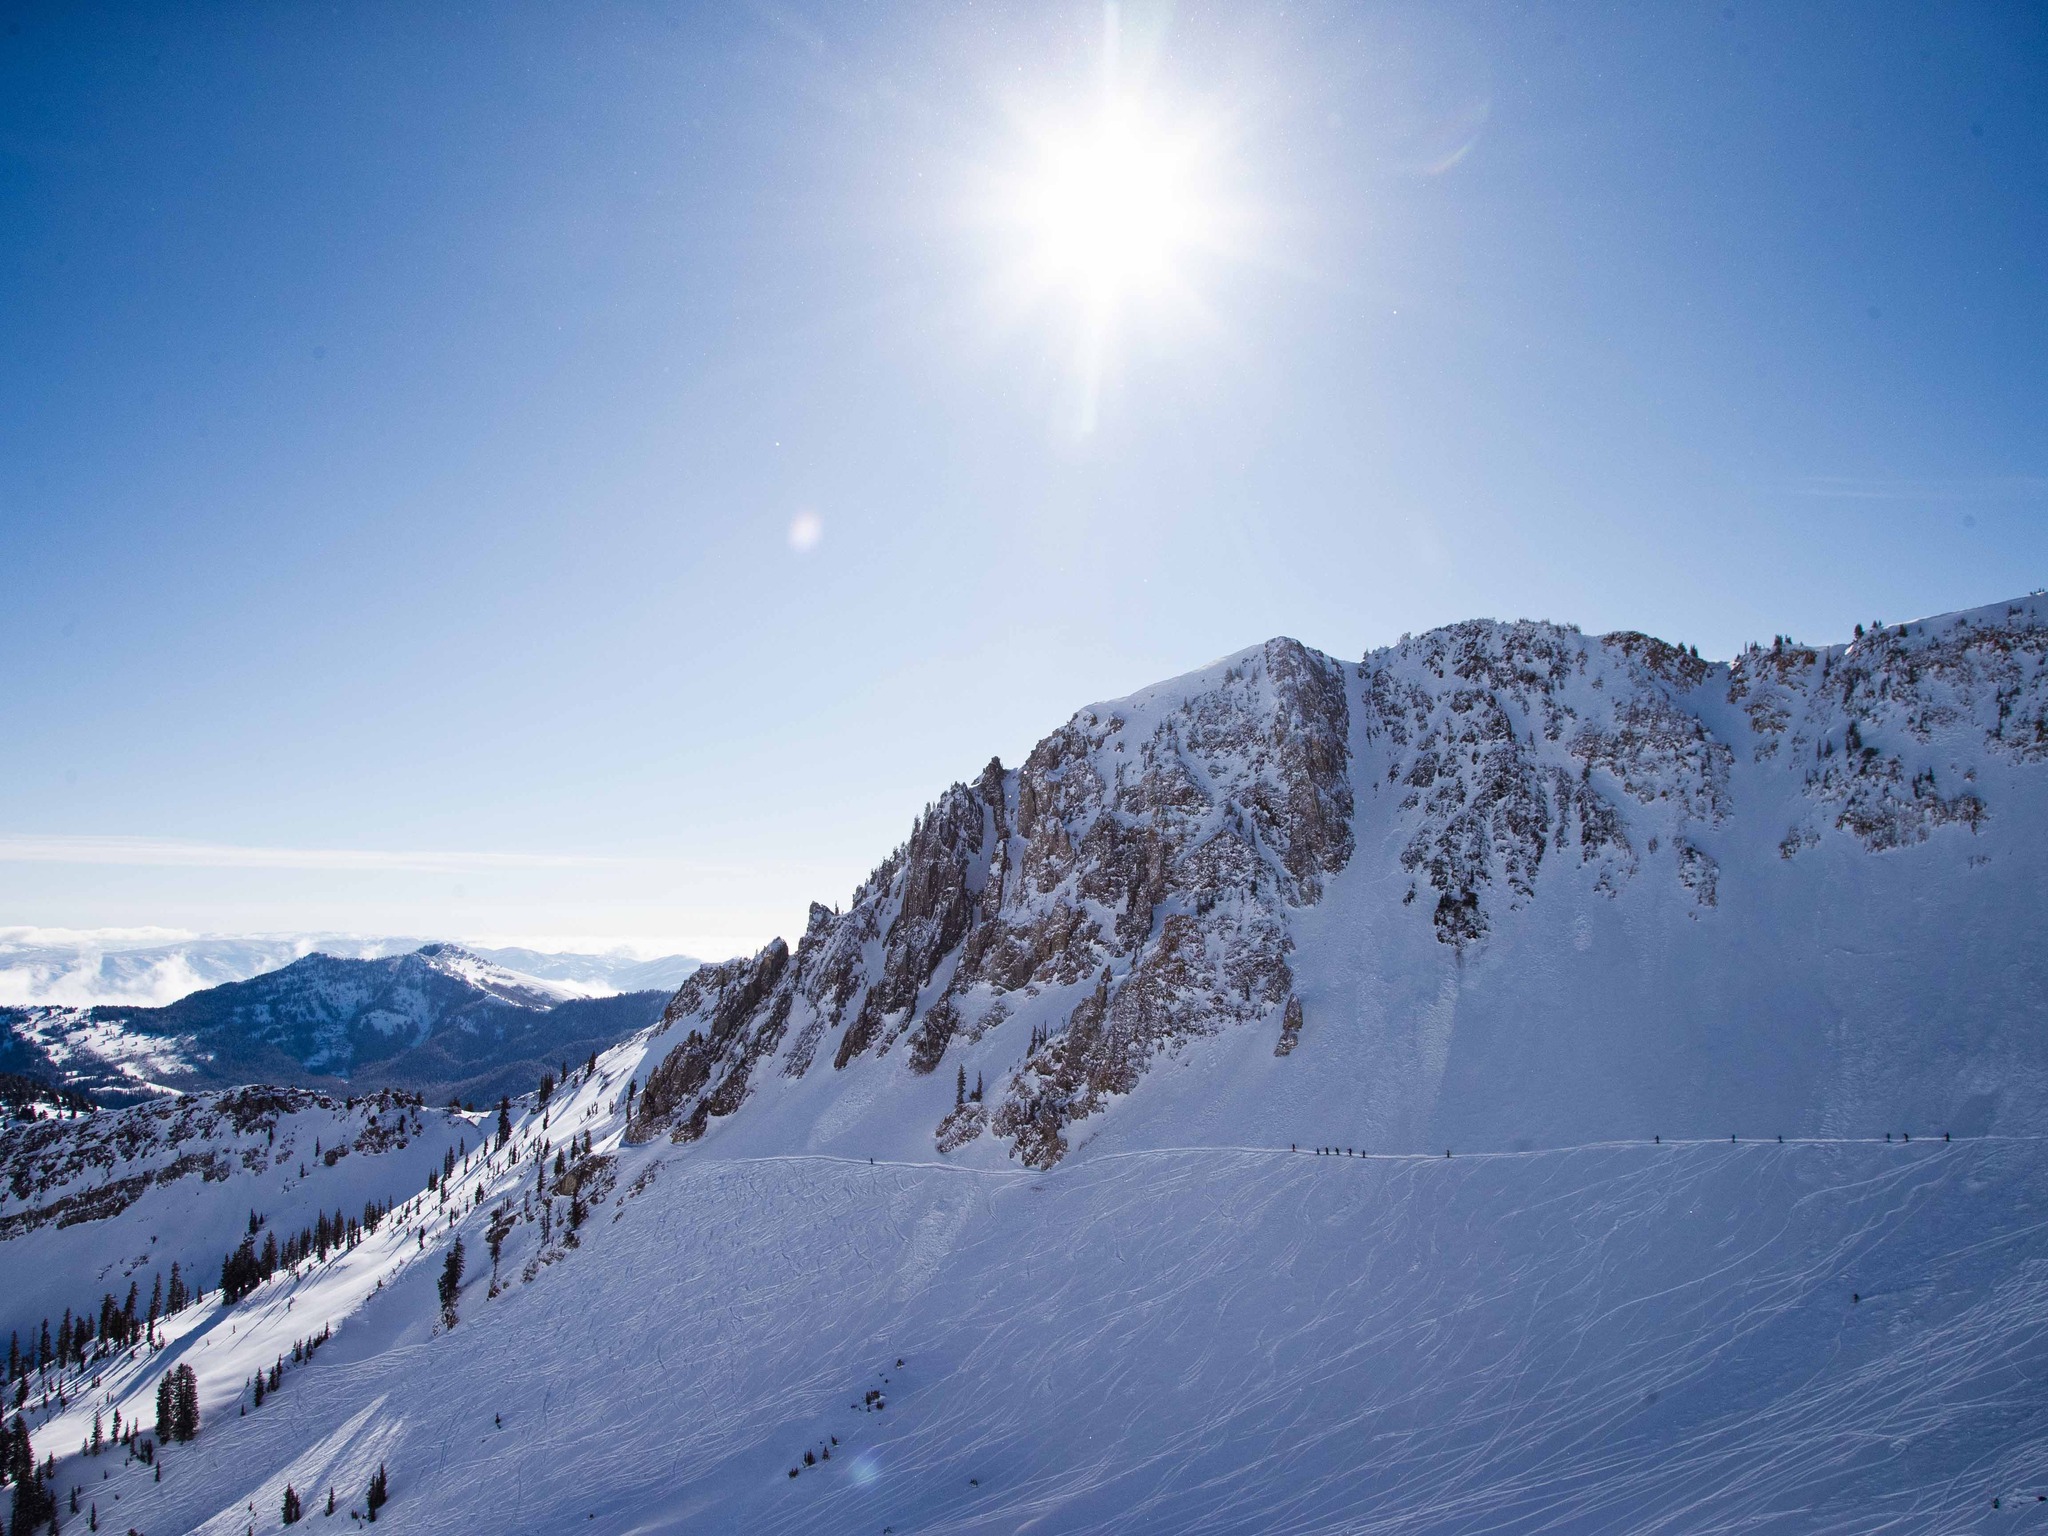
(1709, 1336)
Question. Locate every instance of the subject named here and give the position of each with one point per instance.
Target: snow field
(1618, 1338)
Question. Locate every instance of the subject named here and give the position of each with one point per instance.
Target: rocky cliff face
(1140, 882)
(1145, 857)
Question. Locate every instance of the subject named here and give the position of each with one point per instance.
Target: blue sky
(404, 411)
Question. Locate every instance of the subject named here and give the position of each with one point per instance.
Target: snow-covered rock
(1600, 884)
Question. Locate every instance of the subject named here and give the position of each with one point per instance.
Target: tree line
(82, 1339)
(248, 1266)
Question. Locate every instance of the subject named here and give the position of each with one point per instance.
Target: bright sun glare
(1115, 207)
(1110, 218)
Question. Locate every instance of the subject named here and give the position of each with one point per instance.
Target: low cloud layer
(30, 849)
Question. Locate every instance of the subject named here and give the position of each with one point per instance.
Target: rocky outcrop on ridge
(1135, 883)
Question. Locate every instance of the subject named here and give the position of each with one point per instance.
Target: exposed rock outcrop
(1135, 884)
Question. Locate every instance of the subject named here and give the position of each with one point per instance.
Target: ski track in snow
(1617, 1337)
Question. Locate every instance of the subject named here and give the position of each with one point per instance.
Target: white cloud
(101, 938)
(606, 945)
(22, 848)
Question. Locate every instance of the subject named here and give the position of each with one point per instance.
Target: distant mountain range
(441, 1021)
(39, 967)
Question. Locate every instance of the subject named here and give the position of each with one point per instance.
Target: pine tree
(379, 1493)
(164, 1411)
(504, 1120)
(175, 1298)
(292, 1511)
(184, 1403)
(34, 1504)
(960, 1087)
(330, 1499)
(451, 1283)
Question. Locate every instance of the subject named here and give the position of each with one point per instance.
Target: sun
(1114, 207)
(1111, 217)
(1114, 211)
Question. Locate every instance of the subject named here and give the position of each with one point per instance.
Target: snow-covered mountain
(1522, 1081)
(149, 968)
(438, 1020)
(1501, 885)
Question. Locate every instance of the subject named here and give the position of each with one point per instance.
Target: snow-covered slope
(94, 1205)
(1800, 1337)
(438, 1020)
(1566, 932)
